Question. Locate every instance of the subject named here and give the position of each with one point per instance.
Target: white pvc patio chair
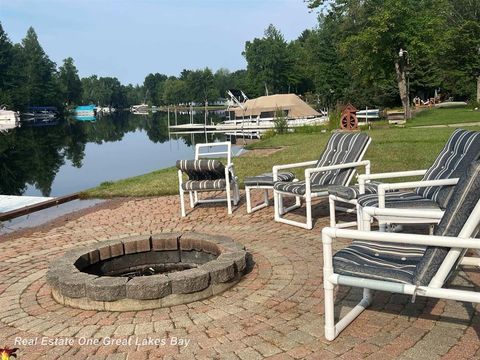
(207, 175)
(343, 154)
(417, 265)
(429, 194)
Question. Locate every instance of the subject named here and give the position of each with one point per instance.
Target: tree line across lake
(369, 52)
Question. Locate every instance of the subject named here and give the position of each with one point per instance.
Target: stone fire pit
(146, 272)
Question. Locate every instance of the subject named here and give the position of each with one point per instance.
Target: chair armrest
(391, 175)
(382, 188)
(290, 166)
(310, 171)
(409, 213)
(329, 233)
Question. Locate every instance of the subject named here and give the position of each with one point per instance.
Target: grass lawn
(443, 116)
(391, 149)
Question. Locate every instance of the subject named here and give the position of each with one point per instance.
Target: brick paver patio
(275, 311)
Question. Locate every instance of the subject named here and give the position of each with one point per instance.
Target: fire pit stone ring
(146, 271)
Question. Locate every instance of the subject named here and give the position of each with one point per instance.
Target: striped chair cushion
(202, 169)
(461, 149)
(199, 185)
(464, 198)
(375, 260)
(411, 263)
(399, 199)
(341, 148)
(267, 179)
(353, 192)
(298, 187)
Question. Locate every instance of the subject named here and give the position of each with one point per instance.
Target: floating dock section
(14, 206)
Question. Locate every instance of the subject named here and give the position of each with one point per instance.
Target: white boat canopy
(289, 103)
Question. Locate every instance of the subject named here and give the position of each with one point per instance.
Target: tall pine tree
(69, 82)
(38, 73)
(6, 69)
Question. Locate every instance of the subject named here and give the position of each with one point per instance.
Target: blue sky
(129, 39)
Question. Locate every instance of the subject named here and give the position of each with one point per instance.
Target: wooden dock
(13, 206)
(239, 126)
(11, 202)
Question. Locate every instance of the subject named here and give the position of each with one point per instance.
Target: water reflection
(61, 156)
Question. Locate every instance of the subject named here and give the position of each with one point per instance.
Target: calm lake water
(70, 155)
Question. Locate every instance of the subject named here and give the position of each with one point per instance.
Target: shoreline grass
(391, 150)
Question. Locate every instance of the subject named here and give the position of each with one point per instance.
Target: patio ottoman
(265, 182)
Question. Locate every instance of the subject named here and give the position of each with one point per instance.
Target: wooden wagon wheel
(344, 122)
(349, 120)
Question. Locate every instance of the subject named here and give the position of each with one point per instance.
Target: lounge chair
(336, 166)
(207, 175)
(417, 265)
(429, 194)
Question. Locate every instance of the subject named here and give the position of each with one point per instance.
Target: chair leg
(332, 330)
(281, 210)
(366, 221)
(182, 204)
(229, 200)
(308, 205)
(329, 310)
(192, 203)
(236, 194)
(247, 196)
(359, 218)
(180, 190)
(276, 205)
(265, 197)
(331, 202)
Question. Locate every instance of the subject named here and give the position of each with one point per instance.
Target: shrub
(280, 122)
(334, 116)
(268, 134)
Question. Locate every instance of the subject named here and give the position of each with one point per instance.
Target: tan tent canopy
(295, 107)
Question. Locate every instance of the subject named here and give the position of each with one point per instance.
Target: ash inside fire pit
(145, 272)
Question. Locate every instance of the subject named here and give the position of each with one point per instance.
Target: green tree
(7, 76)
(459, 50)
(200, 85)
(69, 81)
(175, 91)
(104, 91)
(223, 81)
(37, 73)
(270, 64)
(153, 86)
(374, 31)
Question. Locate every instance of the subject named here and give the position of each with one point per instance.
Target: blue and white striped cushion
(198, 185)
(202, 169)
(461, 149)
(464, 199)
(353, 192)
(298, 187)
(399, 199)
(374, 260)
(406, 263)
(267, 179)
(341, 148)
